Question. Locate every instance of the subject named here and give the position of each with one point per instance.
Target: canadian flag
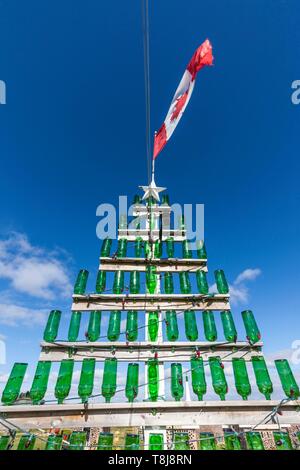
(202, 57)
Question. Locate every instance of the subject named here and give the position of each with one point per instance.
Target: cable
(145, 27)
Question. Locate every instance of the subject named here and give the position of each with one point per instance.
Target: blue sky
(73, 136)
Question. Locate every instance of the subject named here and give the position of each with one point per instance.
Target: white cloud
(33, 270)
(239, 292)
(247, 275)
(3, 378)
(238, 295)
(16, 315)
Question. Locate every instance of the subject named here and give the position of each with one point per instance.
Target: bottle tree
(151, 310)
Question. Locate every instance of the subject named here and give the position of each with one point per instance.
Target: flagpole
(153, 163)
(153, 170)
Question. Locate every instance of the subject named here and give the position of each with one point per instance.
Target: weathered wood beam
(174, 265)
(142, 351)
(150, 302)
(183, 413)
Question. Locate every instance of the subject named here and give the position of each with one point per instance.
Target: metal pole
(153, 170)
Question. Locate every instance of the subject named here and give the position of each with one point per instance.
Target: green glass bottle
(114, 325)
(74, 326)
(109, 383)
(254, 441)
(52, 325)
(165, 200)
(158, 249)
(150, 201)
(229, 329)
(132, 442)
(201, 250)
(282, 440)
(137, 199)
(93, 332)
(122, 248)
(123, 221)
(210, 329)
(207, 441)
(172, 325)
(253, 333)
(241, 378)
(106, 247)
(232, 441)
(77, 440)
(86, 382)
(287, 379)
(170, 247)
(190, 324)
(4, 442)
(186, 252)
(138, 244)
(132, 382)
(153, 377)
(262, 376)
(198, 377)
(54, 442)
(153, 323)
(220, 278)
(181, 224)
(40, 382)
(156, 441)
(105, 441)
(151, 280)
(218, 377)
(81, 282)
(63, 383)
(118, 286)
(148, 250)
(181, 441)
(185, 284)
(101, 282)
(26, 442)
(202, 282)
(169, 285)
(132, 325)
(176, 381)
(14, 383)
(134, 282)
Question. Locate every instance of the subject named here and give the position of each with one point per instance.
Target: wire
(145, 27)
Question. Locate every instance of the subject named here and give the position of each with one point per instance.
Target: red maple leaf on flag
(180, 102)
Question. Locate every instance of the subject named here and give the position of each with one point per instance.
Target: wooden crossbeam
(150, 302)
(174, 265)
(143, 233)
(142, 351)
(172, 413)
